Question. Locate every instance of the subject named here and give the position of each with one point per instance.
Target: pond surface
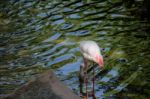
(40, 35)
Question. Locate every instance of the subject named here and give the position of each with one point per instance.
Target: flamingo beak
(101, 62)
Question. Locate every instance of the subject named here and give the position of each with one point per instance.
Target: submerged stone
(44, 86)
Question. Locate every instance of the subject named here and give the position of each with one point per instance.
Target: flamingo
(90, 52)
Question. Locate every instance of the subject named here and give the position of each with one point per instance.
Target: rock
(44, 86)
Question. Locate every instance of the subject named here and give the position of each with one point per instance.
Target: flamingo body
(91, 51)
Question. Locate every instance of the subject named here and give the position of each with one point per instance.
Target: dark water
(39, 35)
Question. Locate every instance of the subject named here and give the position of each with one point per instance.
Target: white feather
(89, 49)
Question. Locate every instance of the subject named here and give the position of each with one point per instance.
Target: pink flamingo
(90, 52)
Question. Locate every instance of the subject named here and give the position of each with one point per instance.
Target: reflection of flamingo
(90, 51)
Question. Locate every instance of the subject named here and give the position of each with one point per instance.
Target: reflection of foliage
(123, 84)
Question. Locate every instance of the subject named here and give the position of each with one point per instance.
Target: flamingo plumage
(90, 52)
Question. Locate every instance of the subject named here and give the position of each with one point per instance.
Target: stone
(43, 86)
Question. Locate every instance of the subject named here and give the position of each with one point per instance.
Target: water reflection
(40, 35)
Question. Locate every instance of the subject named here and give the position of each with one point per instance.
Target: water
(40, 35)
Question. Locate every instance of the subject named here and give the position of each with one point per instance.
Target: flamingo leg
(81, 79)
(86, 84)
(86, 77)
(93, 94)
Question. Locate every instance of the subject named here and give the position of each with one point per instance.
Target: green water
(39, 35)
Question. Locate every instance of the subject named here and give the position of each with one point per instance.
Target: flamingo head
(99, 60)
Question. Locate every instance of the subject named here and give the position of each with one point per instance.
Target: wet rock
(44, 86)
